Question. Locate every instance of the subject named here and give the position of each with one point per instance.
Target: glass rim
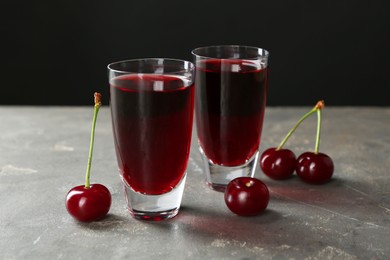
(230, 46)
(109, 66)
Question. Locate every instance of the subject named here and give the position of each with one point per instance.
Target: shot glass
(152, 103)
(230, 97)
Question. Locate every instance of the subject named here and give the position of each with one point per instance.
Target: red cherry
(315, 168)
(88, 204)
(246, 196)
(278, 164)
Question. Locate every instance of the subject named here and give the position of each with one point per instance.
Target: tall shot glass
(231, 88)
(152, 102)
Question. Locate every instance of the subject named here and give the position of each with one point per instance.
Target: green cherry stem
(98, 103)
(317, 107)
(318, 136)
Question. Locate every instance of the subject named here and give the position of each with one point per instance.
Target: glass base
(218, 177)
(154, 207)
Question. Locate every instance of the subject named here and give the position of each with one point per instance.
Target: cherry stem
(320, 104)
(97, 99)
(317, 147)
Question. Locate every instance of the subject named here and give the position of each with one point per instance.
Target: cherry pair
(312, 167)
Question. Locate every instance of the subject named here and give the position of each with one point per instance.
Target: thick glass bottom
(218, 177)
(154, 207)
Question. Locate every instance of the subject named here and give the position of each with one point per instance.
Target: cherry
(89, 202)
(246, 196)
(278, 164)
(315, 168)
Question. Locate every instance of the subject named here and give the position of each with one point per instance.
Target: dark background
(56, 52)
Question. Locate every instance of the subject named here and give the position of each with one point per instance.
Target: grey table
(43, 153)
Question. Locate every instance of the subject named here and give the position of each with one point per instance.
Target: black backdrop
(56, 52)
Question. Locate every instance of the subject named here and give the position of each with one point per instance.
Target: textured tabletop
(43, 154)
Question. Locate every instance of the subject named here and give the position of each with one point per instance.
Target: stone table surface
(43, 154)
